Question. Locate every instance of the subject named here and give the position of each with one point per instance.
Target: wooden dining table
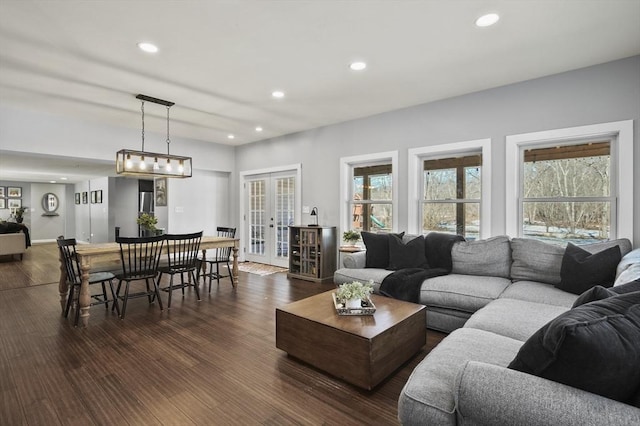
(105, 254)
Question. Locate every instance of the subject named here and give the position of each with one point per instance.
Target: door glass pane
(578, 222)
(285, 204)
(257, 217)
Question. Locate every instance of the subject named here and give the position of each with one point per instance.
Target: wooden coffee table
(362, 350)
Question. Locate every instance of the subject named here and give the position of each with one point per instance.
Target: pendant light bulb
(180, 167)
(143, 165)
(168, 165)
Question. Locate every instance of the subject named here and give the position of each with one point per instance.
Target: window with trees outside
(452, 189)
(567, 194)
(372, 195)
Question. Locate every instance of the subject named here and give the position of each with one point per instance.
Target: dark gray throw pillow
(598, 293)
(377, 245)
(582, 270)
(409, 255)
(594, 347)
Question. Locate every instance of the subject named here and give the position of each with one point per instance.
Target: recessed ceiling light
(258, 129)
(52, 181)
(277, 94)
(358, 66)
(487, 20)
(148, 47)
(230, 137)
(63, 178)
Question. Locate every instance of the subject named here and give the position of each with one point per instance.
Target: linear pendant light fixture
(143, 163)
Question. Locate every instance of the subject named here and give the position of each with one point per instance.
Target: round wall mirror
(50, 202)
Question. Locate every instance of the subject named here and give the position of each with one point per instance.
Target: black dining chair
(67, 248)
(221, 256)
(182, 254)
(140, 257)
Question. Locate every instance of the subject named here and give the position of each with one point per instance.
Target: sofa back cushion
(490, 257)
(535, 260)
(594, 347)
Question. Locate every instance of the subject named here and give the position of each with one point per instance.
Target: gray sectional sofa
(499, 294)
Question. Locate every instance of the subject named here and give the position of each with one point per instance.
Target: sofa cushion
(517, 319)
(377, 245)
(429, 392)
(466, 293)
(594, 347)
(533, 291)
(582, 270)
(490, 257)
(535, 260)
(409, 255)
(623, 243)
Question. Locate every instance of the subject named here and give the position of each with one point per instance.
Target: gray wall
(602, 93)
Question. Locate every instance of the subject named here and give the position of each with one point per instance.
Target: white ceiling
(219, 61)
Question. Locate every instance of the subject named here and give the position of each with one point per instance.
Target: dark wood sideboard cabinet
(313, 253)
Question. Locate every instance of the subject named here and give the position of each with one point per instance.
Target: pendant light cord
(142, 108)
(168, 140)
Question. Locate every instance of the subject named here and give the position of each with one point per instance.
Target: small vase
(355, 303)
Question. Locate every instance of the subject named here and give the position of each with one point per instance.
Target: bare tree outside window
(452, 190)
(567, 193)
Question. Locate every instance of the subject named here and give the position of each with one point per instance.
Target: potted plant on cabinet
(351, 237)
(352, 294)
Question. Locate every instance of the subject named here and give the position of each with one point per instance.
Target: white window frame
(347, 164)
(416, 181)
(621, 135)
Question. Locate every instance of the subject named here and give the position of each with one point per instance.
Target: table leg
(235, 264)
(84, 301)
(63, 286)
(203, 265)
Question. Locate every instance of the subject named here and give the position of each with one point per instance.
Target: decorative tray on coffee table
(368, 308)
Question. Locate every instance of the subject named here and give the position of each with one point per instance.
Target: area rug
(260, 268)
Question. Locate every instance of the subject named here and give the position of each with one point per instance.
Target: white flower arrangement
(354, 290)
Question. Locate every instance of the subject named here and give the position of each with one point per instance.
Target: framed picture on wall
(77, 198)
(94, 195)
(3, 191)
(99, 196)
(161, 192)
(3, 203)
(14, 204)
(14, 191)
(85, 197)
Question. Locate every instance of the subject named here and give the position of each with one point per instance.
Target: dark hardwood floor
(212, 362)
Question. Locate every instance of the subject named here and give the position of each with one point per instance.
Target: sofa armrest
(487, 394)
(355, 260)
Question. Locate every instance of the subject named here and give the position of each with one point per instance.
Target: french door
(270, 201)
